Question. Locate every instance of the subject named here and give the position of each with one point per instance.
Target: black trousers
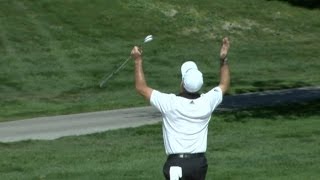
(193, 168)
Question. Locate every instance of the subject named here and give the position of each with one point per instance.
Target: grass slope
(53, 54)
(275, 143)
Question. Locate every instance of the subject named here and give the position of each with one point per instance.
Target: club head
(148, 39)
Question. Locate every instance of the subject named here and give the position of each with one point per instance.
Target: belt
(186, 155)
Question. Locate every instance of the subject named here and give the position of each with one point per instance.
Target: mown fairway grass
(277, 143)
(53, 54)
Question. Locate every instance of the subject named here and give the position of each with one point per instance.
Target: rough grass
(270, 143)
(54, 53)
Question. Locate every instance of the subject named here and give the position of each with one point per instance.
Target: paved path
(86, 123)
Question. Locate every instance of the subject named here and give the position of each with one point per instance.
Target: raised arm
(140, 82)
(224, 67)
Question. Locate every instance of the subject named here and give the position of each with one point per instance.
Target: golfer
(185, 116)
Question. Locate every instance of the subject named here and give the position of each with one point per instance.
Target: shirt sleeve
(215, 97)
(161, 101)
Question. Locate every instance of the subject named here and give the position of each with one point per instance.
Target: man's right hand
(224, 68)
(224, 48)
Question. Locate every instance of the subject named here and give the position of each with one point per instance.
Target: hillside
(53, 54)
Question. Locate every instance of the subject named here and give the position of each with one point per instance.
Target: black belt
(186, 155)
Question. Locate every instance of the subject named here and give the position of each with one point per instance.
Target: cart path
(48, 128)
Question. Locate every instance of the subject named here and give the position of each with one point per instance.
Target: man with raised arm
(185, 116)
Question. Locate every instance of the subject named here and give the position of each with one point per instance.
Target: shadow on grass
(310, 4)
(292, 111)
(268, 85)
(271, 98)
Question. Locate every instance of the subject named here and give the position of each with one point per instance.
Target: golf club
(106, 78)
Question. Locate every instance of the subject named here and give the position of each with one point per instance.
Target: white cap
(191, 77)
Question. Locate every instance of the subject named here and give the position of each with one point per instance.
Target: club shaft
(105, 79)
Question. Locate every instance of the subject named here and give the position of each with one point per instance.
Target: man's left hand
(136, 53)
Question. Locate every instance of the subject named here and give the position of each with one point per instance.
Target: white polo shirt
(185, 121)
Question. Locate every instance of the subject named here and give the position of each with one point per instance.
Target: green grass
(53, 54)
(270, 143)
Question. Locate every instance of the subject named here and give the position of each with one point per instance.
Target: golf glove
(175, 172)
